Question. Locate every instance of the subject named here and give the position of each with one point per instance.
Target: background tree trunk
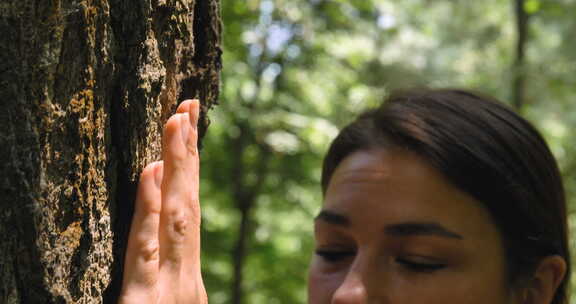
(85, 86)
(519, 68)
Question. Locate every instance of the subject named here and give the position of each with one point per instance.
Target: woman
(439, 196)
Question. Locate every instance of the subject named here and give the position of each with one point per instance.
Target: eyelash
(338, 256)
(333, 256)
(419, 266)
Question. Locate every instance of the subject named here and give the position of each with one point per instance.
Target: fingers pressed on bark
(194, 112)
(191, 256)
(193, 116)
(148, 190)
(142, 256)
(180, 166)
(173, 148)
(163, 257)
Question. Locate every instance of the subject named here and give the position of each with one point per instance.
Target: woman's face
(393, 230)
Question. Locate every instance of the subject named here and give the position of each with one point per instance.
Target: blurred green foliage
(295, 71)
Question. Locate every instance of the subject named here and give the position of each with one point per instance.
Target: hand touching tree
(163, 258)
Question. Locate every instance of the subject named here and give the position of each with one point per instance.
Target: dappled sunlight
(295, 71)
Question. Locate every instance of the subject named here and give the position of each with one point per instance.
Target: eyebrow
(421, 228)
(404, 229)
(333, 218)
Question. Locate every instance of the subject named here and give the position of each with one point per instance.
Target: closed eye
(333, 256)
(418, 266)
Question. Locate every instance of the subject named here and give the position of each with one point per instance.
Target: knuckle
(148, 249)
(178, 158)
(178, 224)
(148, 206)
(181, 226)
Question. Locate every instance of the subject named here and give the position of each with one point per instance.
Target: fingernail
(158, 172)
(194, 112)
(183, 127)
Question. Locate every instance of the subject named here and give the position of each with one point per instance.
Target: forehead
(379, 187)
(382, 166)
(388, 172)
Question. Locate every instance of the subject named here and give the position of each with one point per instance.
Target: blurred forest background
(297, 70)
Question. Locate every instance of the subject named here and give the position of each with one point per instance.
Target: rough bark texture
(85, 86)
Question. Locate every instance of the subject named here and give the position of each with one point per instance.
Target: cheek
(477, 285)
(474, 285)
(322, 285)
(438, 290)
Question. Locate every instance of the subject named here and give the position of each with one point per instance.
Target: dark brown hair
(484, 149)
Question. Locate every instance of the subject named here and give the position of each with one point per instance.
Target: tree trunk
(85, 87)
(246, 195)
(519, 68)
(239, 257)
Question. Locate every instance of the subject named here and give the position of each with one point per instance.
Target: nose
(352, 290)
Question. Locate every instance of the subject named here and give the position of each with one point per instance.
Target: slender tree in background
(85, 87)
(519, 68)
(246, 194)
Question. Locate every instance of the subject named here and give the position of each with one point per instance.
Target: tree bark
(85, 87)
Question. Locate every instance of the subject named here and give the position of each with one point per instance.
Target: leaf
(532, 6)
